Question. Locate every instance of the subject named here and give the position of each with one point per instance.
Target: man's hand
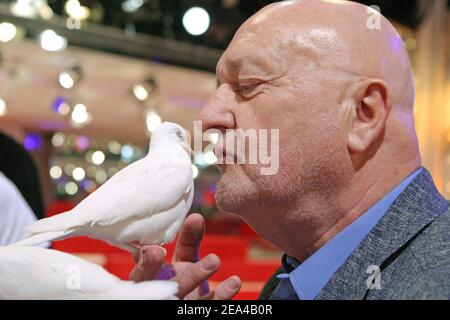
(186, 269)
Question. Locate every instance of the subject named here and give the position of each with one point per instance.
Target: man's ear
(372, 105)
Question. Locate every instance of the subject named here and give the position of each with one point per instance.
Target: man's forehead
(301, 43)
(235, 58)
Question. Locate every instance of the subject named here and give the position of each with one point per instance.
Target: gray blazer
(406, 256)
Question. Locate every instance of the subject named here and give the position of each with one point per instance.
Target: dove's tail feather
(48, 229)
(148, 290)
(42, 237)
(62, 221)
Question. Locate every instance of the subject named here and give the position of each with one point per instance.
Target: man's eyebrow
(224, 70)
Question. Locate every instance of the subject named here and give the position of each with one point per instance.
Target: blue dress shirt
(307, 279)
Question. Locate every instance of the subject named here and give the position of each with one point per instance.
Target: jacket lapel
(416, 207)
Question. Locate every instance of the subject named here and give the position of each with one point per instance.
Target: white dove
(36, 273)
(143, 204)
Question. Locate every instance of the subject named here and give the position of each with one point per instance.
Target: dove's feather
(153, 194)
(144, 202)
(130, 171)
(148, 290)
(38, 238)
(59, 222)
(48, 229)
(125, 198)
(37, 273)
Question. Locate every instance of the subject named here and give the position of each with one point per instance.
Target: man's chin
(232, 193)
(225, 195)
(226, 204)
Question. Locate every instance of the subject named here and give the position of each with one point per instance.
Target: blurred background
(84, 83)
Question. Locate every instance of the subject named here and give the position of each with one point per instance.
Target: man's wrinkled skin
(341, 95)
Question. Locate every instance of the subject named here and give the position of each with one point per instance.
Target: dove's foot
(140, 247)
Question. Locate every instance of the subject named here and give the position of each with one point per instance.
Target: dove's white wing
(127, 173)
(65, 222)
(160, 186)
(37, 273)
(150, 186)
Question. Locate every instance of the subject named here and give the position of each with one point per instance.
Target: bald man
(352, 208)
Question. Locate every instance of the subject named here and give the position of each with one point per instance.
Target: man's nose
(218, 111)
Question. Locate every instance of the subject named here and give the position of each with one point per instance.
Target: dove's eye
(179, 135)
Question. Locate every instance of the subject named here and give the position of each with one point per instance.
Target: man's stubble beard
(243, 190)
(234, 190)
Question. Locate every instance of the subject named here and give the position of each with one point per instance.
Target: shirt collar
(311, 276)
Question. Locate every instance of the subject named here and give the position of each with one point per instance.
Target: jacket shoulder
(430, 286)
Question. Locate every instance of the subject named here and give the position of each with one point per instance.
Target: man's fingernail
(232, 284)
(210, 262)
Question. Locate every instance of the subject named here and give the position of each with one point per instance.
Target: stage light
(61, 106)
(3, 107)
(82, 143)
(32, 142)
(56, 172)
(101, 176)
(46, 12)
(71, 188)
(66, 80)
(411, 44)
(114, 147)
(58, 139)
(140, 92)
(78, 174)
(89, 186)
(196, 21)
(7, 31)
(24, 8)
(79, 115)
(69, 77)
(75, 10)
(98, 157)
(143, 90)
(127, 153)
(52, 42)
(131, 6)
(229, 4)
(68, 169)
(152, 120)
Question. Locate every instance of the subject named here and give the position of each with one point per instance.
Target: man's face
(266, 81)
